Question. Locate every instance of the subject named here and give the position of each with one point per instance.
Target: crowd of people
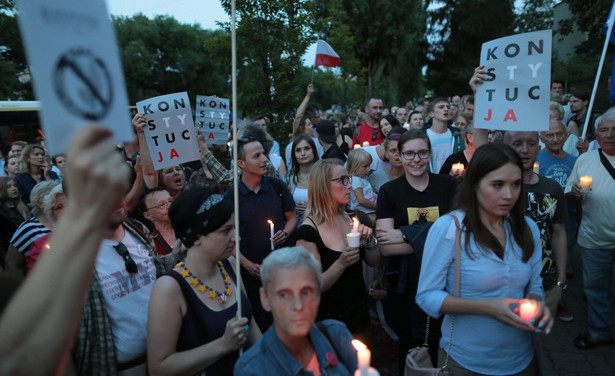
(354, 234)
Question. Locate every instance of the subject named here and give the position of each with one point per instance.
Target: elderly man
(596, 238)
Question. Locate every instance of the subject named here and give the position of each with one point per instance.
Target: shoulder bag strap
(606, 164)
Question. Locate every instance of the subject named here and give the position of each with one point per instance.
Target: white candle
(457, 168)
(586, 183)
(357, 146)
(536, 167)
(365, 143)
(271, 232)
(354, 238)
(364, 356)
(528, 309)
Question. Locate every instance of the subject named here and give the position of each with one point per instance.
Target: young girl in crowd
(362, 197)
(303, 157)
(500, 265)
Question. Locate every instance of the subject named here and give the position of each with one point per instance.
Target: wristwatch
(562, 285)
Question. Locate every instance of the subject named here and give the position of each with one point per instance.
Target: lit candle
(457, 168)
(357, 146)
(366, 143)
(271, 232)
(586, 183)
(527, 309)
(536, 167)
(364, 357)
(354, 238)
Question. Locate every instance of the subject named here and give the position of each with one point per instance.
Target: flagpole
(610, 22)
(313, 67)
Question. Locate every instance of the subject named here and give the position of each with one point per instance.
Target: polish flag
(325, 55)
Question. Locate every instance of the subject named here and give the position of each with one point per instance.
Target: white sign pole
(235, 167)
(591, 100)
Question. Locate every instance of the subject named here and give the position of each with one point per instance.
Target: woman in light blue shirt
(500, 265)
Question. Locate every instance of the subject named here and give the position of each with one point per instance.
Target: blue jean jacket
(334, 351)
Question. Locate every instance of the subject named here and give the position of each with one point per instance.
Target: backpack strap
(606, 164)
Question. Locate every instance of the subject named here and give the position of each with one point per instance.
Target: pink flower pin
(331, 358)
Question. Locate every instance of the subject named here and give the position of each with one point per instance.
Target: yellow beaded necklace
(196, 282)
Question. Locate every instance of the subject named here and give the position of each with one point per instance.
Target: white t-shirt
(597, 229)
(377, 163)
(368, 193)
(126, 295)
(300, 195)
(441, 148)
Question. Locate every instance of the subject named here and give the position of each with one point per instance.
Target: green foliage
(534, 16)
(590, 17)
(12, 56)
(162, 56)
(460, 27)
(379, 42)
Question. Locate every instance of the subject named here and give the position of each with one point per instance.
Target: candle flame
(47, 246)
(270, 221)
(358, 345)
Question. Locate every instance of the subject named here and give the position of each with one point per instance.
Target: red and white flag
(325, 55)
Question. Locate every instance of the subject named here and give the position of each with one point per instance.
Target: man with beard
(370, 130)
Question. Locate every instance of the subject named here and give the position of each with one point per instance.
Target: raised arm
(149, 172)
(481, 136)
(39, 344)
(304, 103)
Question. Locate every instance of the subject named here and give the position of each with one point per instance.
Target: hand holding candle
(354, 238)
(586, 183)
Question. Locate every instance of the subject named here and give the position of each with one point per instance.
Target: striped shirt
(27, 233)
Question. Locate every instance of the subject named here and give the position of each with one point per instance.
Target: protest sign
(516, 94)
(212, 118)
(76, 70)
(169, 133)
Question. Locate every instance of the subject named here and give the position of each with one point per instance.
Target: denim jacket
(335, 353)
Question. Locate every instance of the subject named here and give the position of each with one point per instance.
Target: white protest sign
(76, 70)
(212, 117)
(516, 95)
(169, 133)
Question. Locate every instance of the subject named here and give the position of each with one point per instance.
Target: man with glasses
(370, 130)
(261, 199)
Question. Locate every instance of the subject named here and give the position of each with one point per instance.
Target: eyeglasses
(409, 155)
(164, 205)
(375, 134)
(129, 263)
(344, 179)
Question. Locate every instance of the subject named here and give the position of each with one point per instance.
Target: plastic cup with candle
(357, 146)
(457, 168)
(586, 183)
(271, 232)
(364, 356)
(365, 143)
(354, 238)
(536, 167)
(528, 309)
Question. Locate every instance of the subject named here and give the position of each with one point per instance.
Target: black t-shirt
(546, 205)
(334, 152)
(452, 159)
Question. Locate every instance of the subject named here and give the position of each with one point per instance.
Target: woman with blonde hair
(323, 233)
(12, 213)
(34, 169)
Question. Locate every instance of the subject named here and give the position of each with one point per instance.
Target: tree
(460, 27)
(272, 36)
(12, 56)
(162, 56)
(535, 15)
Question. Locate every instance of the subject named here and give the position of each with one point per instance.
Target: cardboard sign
(212, 118)
(169, 133)
(516, 95)
(76, 70)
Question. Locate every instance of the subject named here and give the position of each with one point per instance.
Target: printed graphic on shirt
(421, 215)
(121, 283)
(541, 208)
